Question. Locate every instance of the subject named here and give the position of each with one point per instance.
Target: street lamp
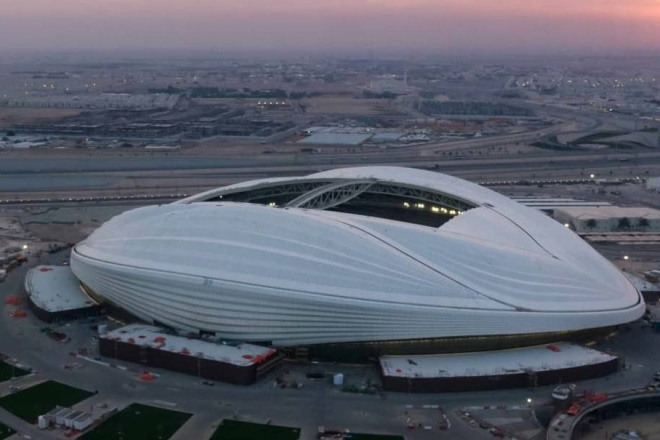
(624, 265)
(592, 176)
(25, 246)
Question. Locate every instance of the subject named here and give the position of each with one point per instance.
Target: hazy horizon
(381, 26)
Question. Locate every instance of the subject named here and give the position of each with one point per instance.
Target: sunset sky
(423, 25)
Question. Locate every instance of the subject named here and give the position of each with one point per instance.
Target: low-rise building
(586, 219)
(653, 184)
(239, 364)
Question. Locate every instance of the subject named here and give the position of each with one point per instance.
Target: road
(144, 175)
(614, 251)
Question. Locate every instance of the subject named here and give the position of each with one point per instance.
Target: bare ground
(12, 115)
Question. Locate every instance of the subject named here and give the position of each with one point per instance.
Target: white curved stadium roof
(306, 274)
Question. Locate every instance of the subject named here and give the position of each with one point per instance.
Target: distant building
(104, 101)
(653, 184)
(585, 219)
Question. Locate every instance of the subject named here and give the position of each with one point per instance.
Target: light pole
(625, 263)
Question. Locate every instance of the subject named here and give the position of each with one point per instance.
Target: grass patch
(30, 403)
(233, 430)
(7, 372)
(552, 146)
(6, 431)
(139, 422)
(596, 138)
(552, 143)
(374, 437)
(624, 145)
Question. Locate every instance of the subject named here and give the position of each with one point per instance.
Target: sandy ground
(68, 225)
(40, 227)
(347, 105)
(13, 234)
(11, 115)
(216, 147)
(648, 425)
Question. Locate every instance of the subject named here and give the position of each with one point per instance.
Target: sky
(452, 26)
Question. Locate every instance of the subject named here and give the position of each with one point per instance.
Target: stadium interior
(369, 198)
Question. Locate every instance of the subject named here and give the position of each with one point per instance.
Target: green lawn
(7, 371)
(233, 430)
(373, 437)
(6, 431)
(139, 422)
(32, 402)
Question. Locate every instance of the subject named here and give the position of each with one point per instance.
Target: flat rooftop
(555, 203)
(56, 289)
(605, 212)
(493, 363)
(241, 355)
(336, 138)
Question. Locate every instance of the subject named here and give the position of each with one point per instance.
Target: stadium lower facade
(372, 259)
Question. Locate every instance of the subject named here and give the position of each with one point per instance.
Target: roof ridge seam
(418, 260)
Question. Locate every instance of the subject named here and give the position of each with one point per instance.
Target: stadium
(375, 260)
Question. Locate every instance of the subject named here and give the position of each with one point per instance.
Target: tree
(592, 223)
(643, 223)
(624, 223)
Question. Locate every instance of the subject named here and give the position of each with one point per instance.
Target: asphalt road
(142, 174)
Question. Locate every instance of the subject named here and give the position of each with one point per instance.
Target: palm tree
(624, 223)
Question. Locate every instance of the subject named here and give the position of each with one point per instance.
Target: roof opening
(371, 198)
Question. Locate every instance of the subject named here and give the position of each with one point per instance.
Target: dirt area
(65, 233)
(225, 147)
(347, 105)
(15, 238)
(215, 147)
(12, 115)
(11, 233)
(478, 153)
(647, 425)
(356, 379)
(42, 228)
(225, 101)
(68, 225)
